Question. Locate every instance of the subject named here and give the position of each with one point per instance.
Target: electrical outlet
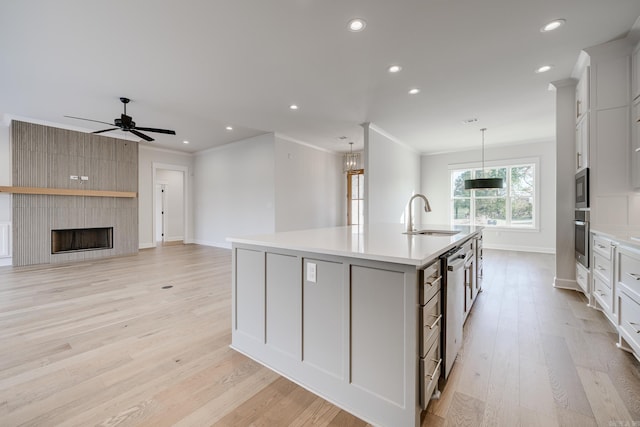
(74, 177)
(84, 178)
(311, 272)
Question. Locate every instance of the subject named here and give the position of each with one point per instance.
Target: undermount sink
(433, 232)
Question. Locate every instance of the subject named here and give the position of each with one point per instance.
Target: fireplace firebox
(81, 239)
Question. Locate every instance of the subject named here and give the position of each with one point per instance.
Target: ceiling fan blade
(141, 135)
(105, 130)
(90, 120)
(167, 131)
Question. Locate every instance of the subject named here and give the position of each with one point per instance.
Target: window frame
(350, 175)
(508, 163)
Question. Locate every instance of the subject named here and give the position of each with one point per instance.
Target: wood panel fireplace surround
(57, 218)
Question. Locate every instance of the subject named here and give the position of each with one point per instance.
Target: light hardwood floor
(102, 343)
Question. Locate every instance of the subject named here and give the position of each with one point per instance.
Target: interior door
(160, 209)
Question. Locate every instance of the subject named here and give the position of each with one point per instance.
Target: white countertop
(377, 242)
(622, 235)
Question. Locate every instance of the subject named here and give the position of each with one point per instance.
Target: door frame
(185, 197)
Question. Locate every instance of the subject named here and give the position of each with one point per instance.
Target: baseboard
(224, 245)
(4, 262)
(146, 245)
(519, 248)
(566, 284)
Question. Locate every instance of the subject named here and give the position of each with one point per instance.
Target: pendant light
(351, 159)
(483, 183)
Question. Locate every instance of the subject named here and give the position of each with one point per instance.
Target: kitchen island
(341, 311)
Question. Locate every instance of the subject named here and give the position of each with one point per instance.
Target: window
(355, 197)
(511, 206)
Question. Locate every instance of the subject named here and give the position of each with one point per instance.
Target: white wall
(436, 186)
(5, 173)
(147, 157)
(174, 203)
(392, 176)
(234, 191)
(5, 198)
(310, 188)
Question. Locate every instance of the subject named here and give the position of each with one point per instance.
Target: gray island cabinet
(347, 313)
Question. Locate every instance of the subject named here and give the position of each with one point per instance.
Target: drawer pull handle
(601, 246)
(635, 324)
(634, 276)
(436, 369)
(433, 282)
(601, 268)
(435, 322)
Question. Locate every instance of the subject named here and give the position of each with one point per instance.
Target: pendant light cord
(482, 130)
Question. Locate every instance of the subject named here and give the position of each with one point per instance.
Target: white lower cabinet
(628, 298)
(615, 275)
(431, 315)
(582, 278)
(603, 285)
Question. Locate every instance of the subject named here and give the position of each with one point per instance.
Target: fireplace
(81, 239)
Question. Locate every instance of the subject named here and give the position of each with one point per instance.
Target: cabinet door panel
(612, 175)
(249, 293)
(284, 304)
(377, 332)
(324, 324)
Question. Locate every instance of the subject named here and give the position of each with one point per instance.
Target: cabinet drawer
(430, 369)
(629, 321)
(431, 322)
(582, 277)
(629, 269)
(602, 246)
(431, 283)
(602, 268)
(602, 292)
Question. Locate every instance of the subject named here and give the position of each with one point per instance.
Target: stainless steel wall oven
(581, 227)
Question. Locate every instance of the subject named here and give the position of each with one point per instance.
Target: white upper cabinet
(582, 143)
(582, 95)
(635, 145)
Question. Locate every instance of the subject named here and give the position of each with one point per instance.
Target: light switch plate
(311, 272)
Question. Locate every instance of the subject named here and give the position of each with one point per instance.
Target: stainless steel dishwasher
(453, 263)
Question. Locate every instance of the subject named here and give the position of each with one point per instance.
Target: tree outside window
(511, 206)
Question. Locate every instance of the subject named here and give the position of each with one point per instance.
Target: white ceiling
(197, 66)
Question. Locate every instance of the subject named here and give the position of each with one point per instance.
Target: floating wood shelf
(67, 192)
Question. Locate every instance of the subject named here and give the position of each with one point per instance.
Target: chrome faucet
(427, 208)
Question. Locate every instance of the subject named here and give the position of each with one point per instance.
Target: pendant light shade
(483, 183)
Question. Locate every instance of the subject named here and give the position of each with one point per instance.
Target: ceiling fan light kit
(483, 183)
(126, 124)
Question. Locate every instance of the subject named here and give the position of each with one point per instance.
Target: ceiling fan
(126, 124)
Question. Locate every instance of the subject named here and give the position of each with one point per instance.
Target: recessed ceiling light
(357, 24)
(293, 107)
(414, 91)
(394, 68)
(185, 142)
(544, 68)
(555, 24)
(229, 128)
